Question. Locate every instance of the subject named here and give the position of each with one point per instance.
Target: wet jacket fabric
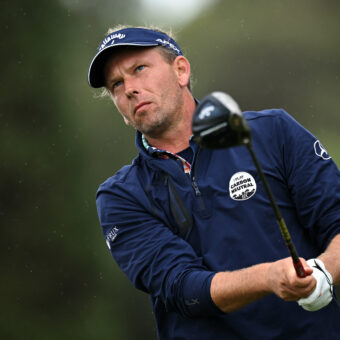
(170, 232)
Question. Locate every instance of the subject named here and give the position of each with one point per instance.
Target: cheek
(162, 80)
(171, 88)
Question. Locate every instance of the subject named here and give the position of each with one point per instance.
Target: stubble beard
(160, 123)
(155, 123)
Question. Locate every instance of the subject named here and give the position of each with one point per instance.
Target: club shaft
(280, 221)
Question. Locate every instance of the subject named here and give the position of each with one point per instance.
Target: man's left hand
(323, 292)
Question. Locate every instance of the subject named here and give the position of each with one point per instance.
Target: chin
(154, 131)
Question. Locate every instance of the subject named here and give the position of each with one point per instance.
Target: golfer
(185, 229)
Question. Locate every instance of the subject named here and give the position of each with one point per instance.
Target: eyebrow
(133, 65)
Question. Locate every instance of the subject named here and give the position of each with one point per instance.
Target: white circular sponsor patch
(242, 186)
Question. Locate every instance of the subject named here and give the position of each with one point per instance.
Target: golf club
(219, 123)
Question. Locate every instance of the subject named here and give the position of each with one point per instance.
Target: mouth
(141, 107)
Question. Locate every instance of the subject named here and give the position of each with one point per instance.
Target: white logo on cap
(168, 44)
(321, 151)
(242, 186)
(111, 38)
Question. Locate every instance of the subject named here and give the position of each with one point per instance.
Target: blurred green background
(58, 142)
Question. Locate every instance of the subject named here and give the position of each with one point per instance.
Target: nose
(131, 88)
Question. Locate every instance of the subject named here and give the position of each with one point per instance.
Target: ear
(182, 69)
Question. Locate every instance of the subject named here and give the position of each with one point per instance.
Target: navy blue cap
(126, 37)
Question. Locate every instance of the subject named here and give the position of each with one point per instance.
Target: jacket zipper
(194, 184)
(193, 178)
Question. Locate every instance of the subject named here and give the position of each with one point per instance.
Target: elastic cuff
(197, 300)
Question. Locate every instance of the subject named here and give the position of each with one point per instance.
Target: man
(214, 263)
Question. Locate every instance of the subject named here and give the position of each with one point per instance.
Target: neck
(177, 138)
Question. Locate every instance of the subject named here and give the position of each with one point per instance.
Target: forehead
(131, 54)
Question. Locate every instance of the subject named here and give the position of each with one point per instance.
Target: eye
(140, 67)
(116, 84)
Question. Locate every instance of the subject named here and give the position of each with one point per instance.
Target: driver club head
(218, 122)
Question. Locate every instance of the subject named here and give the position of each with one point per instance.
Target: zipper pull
(195, 186)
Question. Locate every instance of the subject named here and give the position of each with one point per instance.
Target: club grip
(300, 271)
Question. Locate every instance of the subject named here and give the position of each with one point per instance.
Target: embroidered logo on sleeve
(242, 186)
(192, 302)
(321, 151)
(110, 237)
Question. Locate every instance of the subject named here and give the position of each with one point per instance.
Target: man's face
(145, 88)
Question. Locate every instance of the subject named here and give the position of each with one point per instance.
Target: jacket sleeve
(154, 259)
(313, 180)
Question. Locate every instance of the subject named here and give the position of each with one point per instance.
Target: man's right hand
(284, 282)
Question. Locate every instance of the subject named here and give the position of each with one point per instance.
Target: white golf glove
(323, 292)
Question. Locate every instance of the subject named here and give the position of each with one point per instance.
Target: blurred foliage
(59, 142)
(271, 54)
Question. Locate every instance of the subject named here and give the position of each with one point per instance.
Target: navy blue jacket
(228, 224)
